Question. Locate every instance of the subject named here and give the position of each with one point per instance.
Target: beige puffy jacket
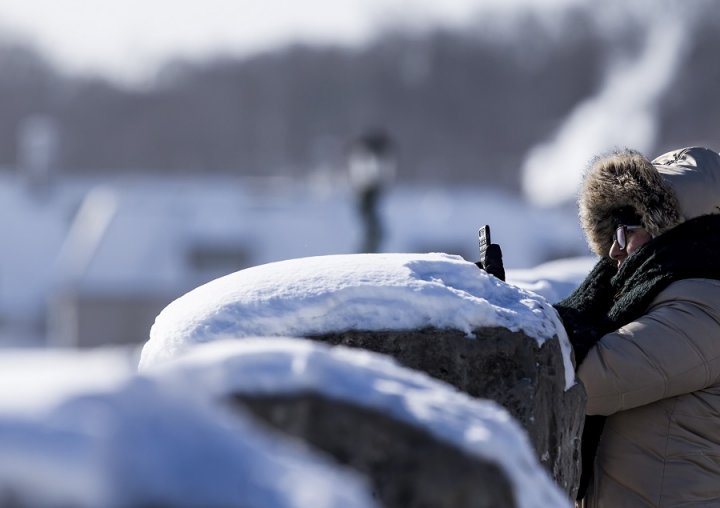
(662, 369)
(658, 378)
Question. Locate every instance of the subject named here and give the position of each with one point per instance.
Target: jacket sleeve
(671, 350)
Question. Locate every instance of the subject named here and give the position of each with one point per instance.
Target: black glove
(491, 261)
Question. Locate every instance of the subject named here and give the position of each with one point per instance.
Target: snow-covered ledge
(433, 312)
(80, 429)
(419, 441)
(325, 294)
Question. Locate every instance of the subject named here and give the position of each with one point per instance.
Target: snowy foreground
(137, 441)
(87, 430)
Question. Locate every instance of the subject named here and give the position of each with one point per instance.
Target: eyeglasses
(621, 235)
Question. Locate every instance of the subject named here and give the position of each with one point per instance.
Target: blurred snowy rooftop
(165, 236)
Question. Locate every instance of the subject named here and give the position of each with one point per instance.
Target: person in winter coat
(645, 330)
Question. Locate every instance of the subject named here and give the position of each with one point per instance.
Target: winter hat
(694, 175)
(625, 186)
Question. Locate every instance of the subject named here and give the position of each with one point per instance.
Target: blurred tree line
(461, 105)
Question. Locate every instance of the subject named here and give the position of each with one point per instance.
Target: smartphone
(484, 240)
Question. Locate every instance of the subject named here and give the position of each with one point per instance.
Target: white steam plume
(622, 114)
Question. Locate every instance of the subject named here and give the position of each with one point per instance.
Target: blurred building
(135, 246)
(90, 262)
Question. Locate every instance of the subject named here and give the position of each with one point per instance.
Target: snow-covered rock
(435, 312)
(507, 367)
(127, 441)
(422, 442)
(325, 294)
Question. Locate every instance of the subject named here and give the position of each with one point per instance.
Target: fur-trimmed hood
(677, 186)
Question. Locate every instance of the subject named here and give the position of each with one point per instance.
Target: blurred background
(147, 147)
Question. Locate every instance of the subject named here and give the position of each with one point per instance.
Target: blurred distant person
(645, 329)
(371, 166)
(38, 152)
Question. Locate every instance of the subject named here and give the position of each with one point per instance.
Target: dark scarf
(609, 298)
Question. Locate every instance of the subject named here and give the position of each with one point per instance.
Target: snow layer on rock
(324, 294)
(283, 365)
(143, 444)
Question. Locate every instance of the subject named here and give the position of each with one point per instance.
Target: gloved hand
(491, 261)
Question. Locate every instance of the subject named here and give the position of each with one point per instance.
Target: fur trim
(624, 179)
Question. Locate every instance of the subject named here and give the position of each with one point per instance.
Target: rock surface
(406, 466)
(507, 367)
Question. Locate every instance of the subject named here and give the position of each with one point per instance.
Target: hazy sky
(125, 38)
